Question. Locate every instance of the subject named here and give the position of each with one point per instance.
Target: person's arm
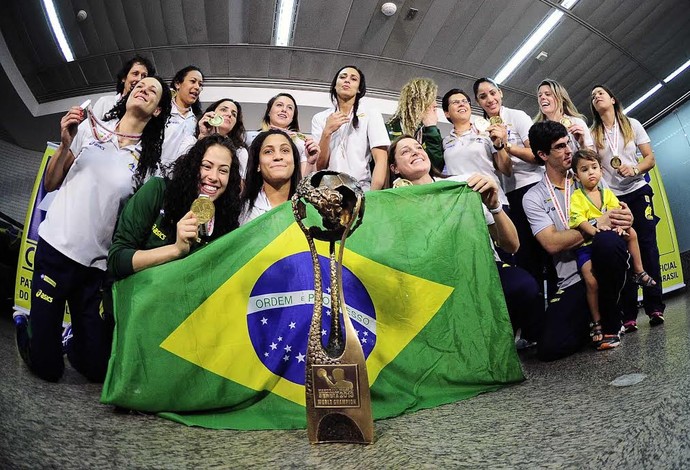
(502, 161)
(187, 230)
(647, 163)
(380, 173)
(614, 218)
(61, 161)
(504, 233)
(554, 241)
(324, 134)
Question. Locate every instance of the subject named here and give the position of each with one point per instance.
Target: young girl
(587, 203)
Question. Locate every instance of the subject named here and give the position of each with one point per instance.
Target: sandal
(609, 342)
(596, 333)
(643, 279)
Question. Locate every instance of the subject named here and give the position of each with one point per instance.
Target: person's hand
(626, 170)
(69, 124)
(430, 118)
(603, 228)
(335, 121)
(313, 150)
(486, 187)
(187, 231)
(621, 232)
(204, 127)
(498, 133)
(578, 132)
(622, 217)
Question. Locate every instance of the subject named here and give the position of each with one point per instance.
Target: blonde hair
(563, 101)
(415, 98)
(597, 128)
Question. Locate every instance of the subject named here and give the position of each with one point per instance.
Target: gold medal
(216, 121)
(481, 125)
(401, 182)
(566, 122)
(203, 209)
(494, 120)
(615, 163)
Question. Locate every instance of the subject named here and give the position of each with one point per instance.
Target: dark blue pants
(58, 280)
(644, 223)
(524, 299)
(565, 325)
(530, 256)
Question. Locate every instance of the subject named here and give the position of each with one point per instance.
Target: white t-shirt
(81, 219)
(350, 148)
(627, 153)
(541, 213)
(105, 104)
(261, 206)
(176, 129)
(471, 153)
(518, 124)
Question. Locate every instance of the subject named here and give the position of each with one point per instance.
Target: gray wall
(18, 169)
(671, 144)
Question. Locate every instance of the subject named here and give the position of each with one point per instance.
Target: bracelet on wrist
(501, 147)
(496, 209)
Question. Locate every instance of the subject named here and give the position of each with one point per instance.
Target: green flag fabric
(218, 339)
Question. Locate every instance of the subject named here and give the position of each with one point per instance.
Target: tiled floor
(566, 414)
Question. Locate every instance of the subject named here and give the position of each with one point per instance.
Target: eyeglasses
(456, 102)
(561, 146)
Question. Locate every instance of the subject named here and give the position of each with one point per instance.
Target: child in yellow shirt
(587, 203)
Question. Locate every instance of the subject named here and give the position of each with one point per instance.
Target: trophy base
(337, 427)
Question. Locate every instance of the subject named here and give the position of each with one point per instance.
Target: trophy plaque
(338, 401)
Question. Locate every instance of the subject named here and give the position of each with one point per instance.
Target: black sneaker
(656, 318)
(21, 322)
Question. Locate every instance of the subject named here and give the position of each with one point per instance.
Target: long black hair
(254, 181)
(124, 71)
(151, 137)
(294, 125)
(237, 134)
(182, 188)
(179, 78)
(361, 91)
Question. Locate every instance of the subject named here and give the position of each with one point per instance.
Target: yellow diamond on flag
(216, 335)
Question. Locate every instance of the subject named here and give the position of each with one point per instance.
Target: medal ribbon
(613, 144)
(564, 216)
(96, 123)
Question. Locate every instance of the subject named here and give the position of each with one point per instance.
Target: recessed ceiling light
(284, 22)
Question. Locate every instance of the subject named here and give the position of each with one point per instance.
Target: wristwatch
(508, 145)
(499, 147)
(636, 170)
(593, 222)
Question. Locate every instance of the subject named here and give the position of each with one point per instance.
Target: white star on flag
(280, 338)
(292, 325)
(300, 357)
(288, 348)
(265, 354)
(274, 345)
(323, 332)
(264, 320)
(286, 358)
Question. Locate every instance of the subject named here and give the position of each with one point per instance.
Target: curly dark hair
(237, 134)
(254, 181)
(266, 120)
(152, 137)
(361, 91)
(182, 188)
(124, 71)
(179, 78)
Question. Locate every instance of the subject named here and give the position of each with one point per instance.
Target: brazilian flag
(219, 339)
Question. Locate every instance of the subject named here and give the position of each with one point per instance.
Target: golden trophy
(338, 401)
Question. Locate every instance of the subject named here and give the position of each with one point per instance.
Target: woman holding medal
(617, 139)
(351, 134)
(416, 115)
(468, 148)
(409, 161)
(97, 169)
(282, 113)
(186, 85)
(273, 173)
(157, 225)
(222, 117)
(555, 105)
(509, 129)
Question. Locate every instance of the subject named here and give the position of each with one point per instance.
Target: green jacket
(139, 228)
(431, 141)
